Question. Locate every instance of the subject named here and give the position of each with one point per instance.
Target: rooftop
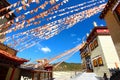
(11, 57)
(98, 31)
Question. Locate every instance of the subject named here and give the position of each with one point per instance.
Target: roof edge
(107, 7)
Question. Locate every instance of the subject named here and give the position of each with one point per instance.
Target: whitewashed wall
(108, 53)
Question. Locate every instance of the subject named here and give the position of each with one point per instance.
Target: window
(95, 43)
(83, 66)
(100, 61)
(84, 52)
(82, 55)
(91, 46)
(95, 64)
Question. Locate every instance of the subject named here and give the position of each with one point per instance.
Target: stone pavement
(74, 76)
(63, 75)
(85, 76)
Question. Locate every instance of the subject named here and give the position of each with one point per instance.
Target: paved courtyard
(74, 76)
(85, 76)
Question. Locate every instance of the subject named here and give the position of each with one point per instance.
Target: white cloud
(77, 41)
(74, 42)
(73, 35)
(101, 25)
(45, 49)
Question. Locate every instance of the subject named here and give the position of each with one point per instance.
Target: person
(105, 76)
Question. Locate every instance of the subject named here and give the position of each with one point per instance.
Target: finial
(87, 34)
(95, 24)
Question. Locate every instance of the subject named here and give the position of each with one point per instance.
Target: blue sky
(65, 40)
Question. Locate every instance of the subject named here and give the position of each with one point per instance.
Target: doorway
(3, 72)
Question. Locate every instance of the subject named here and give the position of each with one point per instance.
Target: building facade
(111, 14)
(35, 72)
(102, 53)
(86, 58)
(9, 63)
(11, 67)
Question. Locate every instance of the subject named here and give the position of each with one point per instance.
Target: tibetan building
(35, 72)
(111, 14)
(99, 54)
(9, 63)
(11, 67)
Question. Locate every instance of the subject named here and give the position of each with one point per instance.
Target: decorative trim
(115, 6)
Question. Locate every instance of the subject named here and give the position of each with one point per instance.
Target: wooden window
(83, 55)
(91, 46)
(95, 64)
(100, 61)
(84, 66)
(95, 42)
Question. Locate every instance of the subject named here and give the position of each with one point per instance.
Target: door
(3, 72)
